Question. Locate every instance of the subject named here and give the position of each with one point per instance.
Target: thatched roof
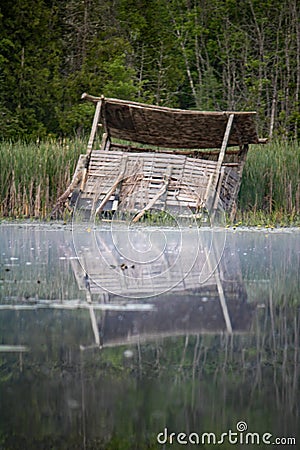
(173, 128)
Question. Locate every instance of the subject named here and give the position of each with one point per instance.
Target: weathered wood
(105, 145)
(218, 192)
(173, 128)
(156, 197)
(94, 126)
(77, 177)
(113, 188)
(150, 204)
(194, 143)
(188, 176)
(216, 176)
(195, 153)
(91, 142)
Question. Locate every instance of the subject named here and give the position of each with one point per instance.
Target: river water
(148, 338)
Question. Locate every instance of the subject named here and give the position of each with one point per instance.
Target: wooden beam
(218, 192)
(186, 152)
(94, 126)
(216, 176)
(242, 158)
(91, 142)
(116, 101)
(105, 144)
(150, 204)
(77, 177)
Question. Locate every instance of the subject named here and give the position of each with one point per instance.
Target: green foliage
(212, 55)
(35, 175)
(76, 120)
(209, 92)
(119, 80)
(205, 55)
(271, 180)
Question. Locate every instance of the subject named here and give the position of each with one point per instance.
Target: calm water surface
(122, 339)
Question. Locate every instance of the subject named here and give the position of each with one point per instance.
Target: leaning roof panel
(175, 128)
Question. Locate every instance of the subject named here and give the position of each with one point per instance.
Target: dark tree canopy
(192, 54)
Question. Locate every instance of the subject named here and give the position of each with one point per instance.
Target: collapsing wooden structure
(163, 158)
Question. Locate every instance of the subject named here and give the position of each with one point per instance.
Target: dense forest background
(204, 54)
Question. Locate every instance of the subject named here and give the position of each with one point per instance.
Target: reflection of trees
(189, 382)
(192, 382)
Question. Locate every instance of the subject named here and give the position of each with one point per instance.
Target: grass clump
(270, 189)
(32, 176)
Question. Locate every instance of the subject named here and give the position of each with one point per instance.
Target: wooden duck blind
(157, 157)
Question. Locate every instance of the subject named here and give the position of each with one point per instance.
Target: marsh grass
(271, 183)
(32, 176)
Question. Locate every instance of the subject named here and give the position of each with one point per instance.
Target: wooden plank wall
(145, 173)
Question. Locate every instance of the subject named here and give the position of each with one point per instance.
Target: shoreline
(68, 226)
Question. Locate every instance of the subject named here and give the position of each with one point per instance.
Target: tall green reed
(271, 180)
(32, 176)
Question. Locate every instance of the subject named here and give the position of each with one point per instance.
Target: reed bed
(33, 176)
(270, 189)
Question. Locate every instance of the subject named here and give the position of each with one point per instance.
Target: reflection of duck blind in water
(173, 315)
(174, 294)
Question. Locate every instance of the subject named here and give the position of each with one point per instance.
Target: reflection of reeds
(34, 175)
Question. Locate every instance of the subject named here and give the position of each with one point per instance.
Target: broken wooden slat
(156, 197)
(113, 188)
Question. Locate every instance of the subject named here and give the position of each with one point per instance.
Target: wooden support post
(91, 141)
(217, 195)
(61, 200)
(216, 176)
(242, 157)
(94, 126)
(105, 144)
